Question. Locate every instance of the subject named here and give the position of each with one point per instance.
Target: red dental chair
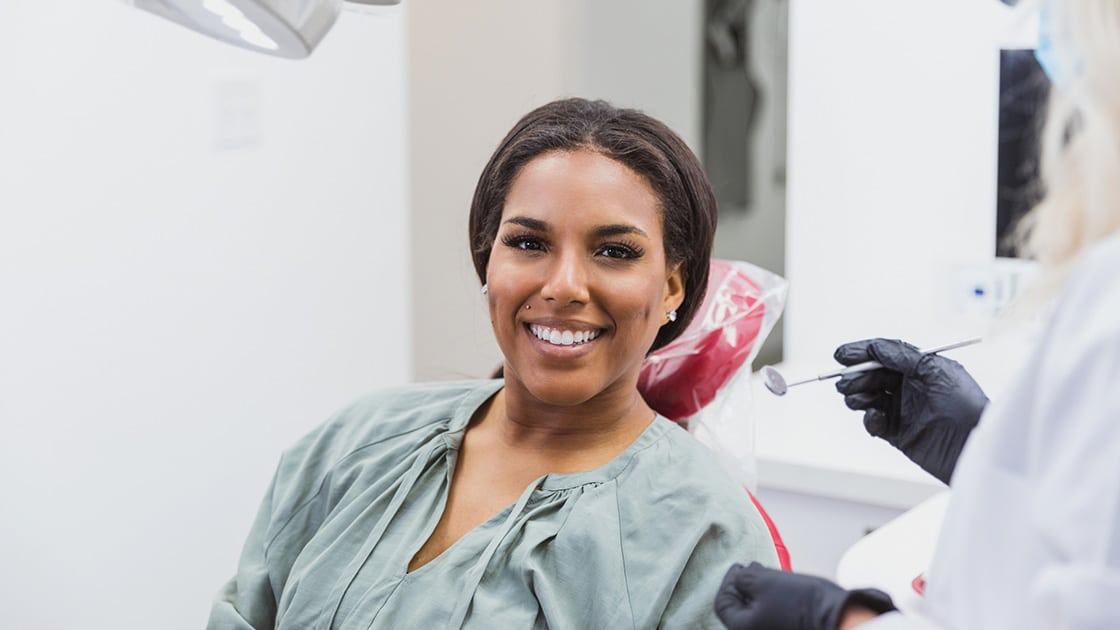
(682, 378)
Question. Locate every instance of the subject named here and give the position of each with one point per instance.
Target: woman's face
(578, 283)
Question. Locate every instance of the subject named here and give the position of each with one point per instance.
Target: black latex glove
(758, 598)
(923, 404)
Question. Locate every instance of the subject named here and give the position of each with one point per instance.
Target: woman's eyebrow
(603, 231)
(618, 229)
(532, 224)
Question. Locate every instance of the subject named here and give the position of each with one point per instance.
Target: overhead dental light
(285, 28)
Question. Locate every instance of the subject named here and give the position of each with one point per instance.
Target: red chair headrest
(679, 379)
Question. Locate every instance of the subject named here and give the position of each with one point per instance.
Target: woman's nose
(566, 281)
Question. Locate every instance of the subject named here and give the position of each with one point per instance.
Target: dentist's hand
(758, 598)
(923, 404)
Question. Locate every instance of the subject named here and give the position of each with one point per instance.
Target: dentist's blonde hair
(1080, 155)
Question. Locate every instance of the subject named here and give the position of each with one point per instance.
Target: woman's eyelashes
(526, 242)
(621, 251)
(615, 250)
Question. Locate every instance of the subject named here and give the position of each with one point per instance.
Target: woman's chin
(570, 389)
(558, 390)
(561, 395)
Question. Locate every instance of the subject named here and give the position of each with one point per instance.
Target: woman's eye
(616, 250)
(528, 243)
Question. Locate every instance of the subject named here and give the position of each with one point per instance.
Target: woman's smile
(563, 336)
(578, 283)
(567, 340)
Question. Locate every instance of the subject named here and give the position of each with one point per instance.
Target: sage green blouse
(641, 542)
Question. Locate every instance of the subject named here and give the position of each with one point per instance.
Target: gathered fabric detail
(347, 577)
(462, 607)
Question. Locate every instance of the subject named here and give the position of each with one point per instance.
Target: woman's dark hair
(630, 137)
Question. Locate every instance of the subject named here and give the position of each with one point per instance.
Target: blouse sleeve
(691, 604)
(678, 542)
(248, 600)
(292, 510)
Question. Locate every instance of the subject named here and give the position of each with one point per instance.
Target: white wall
(474, 69)
(203, 252)
(892, 167)
(640, 53)
(756, 233)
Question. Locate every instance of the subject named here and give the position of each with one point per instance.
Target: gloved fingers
(935, 366)
(760, 598)
(733, 588)
(871, 381)
(878, 601)
(733, 601)
(734, 581)
(868, 400)
(945, 373)
(853, 352)
(877, 423)
(895, 355)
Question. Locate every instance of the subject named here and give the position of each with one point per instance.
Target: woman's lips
(562, 336)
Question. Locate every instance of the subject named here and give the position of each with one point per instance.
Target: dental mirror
(778, 386)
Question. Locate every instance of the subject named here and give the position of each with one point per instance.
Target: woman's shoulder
(685, 520)
(685, 461)
(398, 412)
(433, 399)
(1085, 315)
(1064, 406)
(375, 431)
(1093, 277)
(676, 468)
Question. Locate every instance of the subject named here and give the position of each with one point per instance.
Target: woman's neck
(597, 429)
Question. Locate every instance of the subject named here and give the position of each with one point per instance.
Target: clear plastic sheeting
(702, 380)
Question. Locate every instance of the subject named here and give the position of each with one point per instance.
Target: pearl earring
(672, 315)
(485, 288)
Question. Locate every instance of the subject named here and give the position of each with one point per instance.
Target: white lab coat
(1031, 538)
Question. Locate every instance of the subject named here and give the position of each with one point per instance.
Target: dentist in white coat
(1031, 538)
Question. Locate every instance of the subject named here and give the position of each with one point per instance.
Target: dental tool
(777, 385)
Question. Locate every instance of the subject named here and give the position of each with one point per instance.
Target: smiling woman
(579, 253)
(555, 497)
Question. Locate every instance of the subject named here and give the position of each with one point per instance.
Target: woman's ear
(674, 287)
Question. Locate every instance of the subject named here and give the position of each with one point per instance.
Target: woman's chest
(358, 556)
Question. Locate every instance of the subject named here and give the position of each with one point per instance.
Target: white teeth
(563, 337)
